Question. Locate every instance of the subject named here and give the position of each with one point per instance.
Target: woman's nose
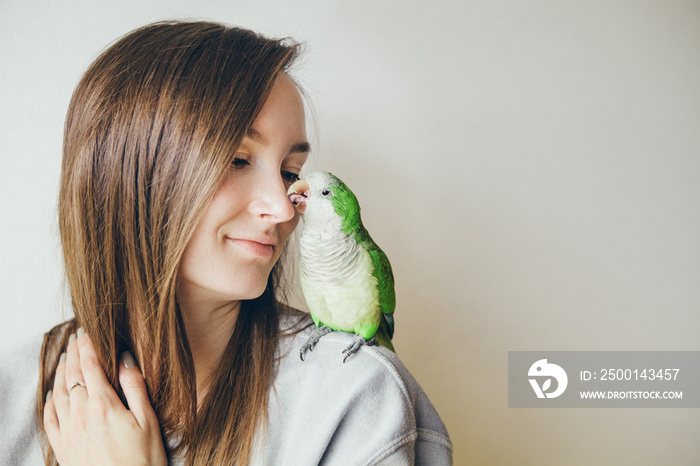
(271, 202)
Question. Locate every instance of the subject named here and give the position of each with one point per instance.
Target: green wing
(385, 280)
(385, 277)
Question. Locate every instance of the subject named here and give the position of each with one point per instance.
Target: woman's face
(245, 226)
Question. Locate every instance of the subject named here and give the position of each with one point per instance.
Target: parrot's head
(324, 200)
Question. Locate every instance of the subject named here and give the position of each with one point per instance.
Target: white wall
(530, 167)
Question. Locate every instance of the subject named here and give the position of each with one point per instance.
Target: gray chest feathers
(332, 258)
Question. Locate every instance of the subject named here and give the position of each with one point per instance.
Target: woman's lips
(254, 247)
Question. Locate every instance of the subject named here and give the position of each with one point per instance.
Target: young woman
(180, 143)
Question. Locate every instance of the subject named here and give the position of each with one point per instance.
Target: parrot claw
(316, 335)
(356, 346)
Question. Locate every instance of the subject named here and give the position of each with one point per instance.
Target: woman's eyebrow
(257, 136)
(260, 138)
(300, 147)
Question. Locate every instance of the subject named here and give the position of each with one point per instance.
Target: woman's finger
(51, 425)
(92, 370)
(60, 392)
(74, 375)
(134, 388)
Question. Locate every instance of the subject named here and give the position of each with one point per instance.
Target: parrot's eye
(325, 192)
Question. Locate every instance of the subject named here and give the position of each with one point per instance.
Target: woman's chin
(253, 290)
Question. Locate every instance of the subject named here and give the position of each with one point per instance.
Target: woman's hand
(88, 424)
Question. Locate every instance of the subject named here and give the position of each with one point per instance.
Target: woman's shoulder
(370, 406)
(19, 379)
(19, 369)
(23, 351)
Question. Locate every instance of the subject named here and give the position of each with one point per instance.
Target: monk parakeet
(346, 278)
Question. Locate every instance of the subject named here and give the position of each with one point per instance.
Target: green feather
(346, 207)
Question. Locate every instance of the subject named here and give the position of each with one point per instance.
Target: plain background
(530, 167)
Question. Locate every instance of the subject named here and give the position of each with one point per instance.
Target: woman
(180, 142)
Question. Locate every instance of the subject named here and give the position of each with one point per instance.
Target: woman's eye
(290, 177)
(239, 162)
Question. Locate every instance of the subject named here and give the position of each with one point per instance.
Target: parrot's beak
(298, 193)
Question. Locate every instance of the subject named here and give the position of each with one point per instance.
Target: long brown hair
(151, 131)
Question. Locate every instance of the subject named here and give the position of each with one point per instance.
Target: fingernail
(62, 358)
(71, 338)
(48, 395)
(81, 332)
(128, 360)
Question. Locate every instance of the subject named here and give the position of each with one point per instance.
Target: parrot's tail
(383, 338)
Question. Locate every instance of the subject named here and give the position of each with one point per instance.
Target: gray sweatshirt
(367, 411)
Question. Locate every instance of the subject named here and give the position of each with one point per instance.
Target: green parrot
(346, 278)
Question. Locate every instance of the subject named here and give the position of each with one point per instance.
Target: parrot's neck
(328, 255)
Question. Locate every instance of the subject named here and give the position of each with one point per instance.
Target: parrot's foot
(316, 335)
(360, 341)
